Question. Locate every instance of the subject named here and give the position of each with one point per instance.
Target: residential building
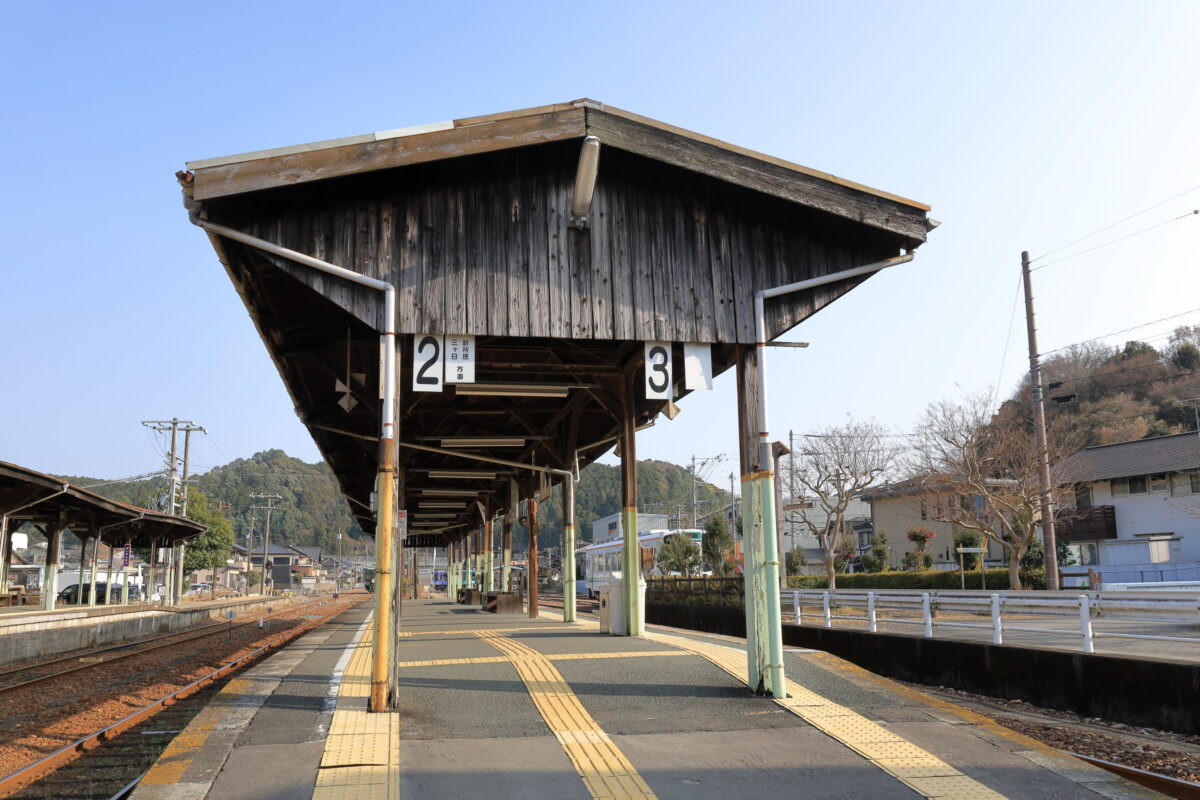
(897, 508)
(1136, 515)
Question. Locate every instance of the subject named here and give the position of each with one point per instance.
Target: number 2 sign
(428, 359)
(658, 370)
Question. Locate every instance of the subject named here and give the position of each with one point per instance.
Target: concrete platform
(30, 633)
(498, 707)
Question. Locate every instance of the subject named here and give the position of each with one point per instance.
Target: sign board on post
(125, 554)
(428, 358)
(460, 359)
(658, 370)
(697, 366)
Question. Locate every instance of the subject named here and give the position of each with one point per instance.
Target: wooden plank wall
(481, 245)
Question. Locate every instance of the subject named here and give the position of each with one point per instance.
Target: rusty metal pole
(1049, 540)
(532, 569)
(510, 518)
(381, 646)
(568, 556)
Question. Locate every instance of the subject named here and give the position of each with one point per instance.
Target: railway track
(109, 760)
(583, 605)
(34, 673)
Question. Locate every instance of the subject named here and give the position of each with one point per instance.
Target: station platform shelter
(500, 706)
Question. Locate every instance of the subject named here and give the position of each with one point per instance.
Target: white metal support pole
(1085, 624)
(825, 610)
(796, 606)
(927, 615)
(997, 624)
(872, 619)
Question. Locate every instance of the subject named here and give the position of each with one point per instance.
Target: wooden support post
(753, 529)
(50, 574)
(568, 546)
(180, 572)
(532, 569)
(94, 535)
(488, 578)
(510, 519)
(631, 557)
(5, 552)
(80, 597)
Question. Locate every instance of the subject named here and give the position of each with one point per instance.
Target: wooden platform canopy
(470, 221)
(29, 496)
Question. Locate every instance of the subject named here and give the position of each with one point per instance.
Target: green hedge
(925, 579)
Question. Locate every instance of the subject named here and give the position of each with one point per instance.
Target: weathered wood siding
(481, 245)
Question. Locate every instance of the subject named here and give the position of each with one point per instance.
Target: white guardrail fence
(1083, 608)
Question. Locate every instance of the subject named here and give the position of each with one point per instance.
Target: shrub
(926, 579)
(964, 538)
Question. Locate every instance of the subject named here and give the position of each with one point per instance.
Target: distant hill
(1108, 394)
(313, 511)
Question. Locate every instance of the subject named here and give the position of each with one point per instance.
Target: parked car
(71, 593)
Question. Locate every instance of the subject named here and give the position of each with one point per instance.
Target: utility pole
(172, 586)
(266, 539)
(1039, 424)
(1195, 404)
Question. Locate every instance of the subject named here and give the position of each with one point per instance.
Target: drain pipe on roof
(769, 624)
(386, 473)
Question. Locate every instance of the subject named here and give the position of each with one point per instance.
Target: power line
(1007, 341)
(1123, 330)
(1114, 224)
(1119, 239)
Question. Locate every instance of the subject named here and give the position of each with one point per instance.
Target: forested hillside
(312, 510)
(1097, 394)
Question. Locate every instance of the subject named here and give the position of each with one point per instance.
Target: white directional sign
(658, 370)
(697, 366)
(428, 358)
(460, 359)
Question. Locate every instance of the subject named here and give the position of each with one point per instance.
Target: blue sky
(1024, 125)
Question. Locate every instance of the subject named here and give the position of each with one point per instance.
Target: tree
(718, 546)
(981, 474)
(836, 465)
(678, 555)
(795, 561)
(210, 549)
(876, 559)
(918, 559)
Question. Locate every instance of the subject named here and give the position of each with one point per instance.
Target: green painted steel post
(771, 622)
(568, 557)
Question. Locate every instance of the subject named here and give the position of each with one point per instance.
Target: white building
(606, 529)
(1137, 510)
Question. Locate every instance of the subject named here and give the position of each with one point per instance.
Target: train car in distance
(602, 560)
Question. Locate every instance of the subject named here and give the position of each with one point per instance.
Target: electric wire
(1114, 224)
(1115, 241)
(1123, 330)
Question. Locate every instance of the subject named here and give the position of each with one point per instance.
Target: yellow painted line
(920, 770)
(445, 662)
(605, 771)
(362, 752)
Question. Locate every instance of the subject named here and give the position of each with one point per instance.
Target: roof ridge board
(588, 106)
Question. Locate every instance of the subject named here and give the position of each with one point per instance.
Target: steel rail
(47, 764)
(208, 630)
(1165, 784)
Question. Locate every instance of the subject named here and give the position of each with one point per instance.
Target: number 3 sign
(658, 370)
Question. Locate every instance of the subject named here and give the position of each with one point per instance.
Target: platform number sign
(460, 359)
(658, 370)
(428, 361)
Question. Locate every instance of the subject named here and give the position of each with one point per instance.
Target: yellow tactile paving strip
(444, 662)
(921, 771)
(604, 769)
(476, 631)
(362, 753)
